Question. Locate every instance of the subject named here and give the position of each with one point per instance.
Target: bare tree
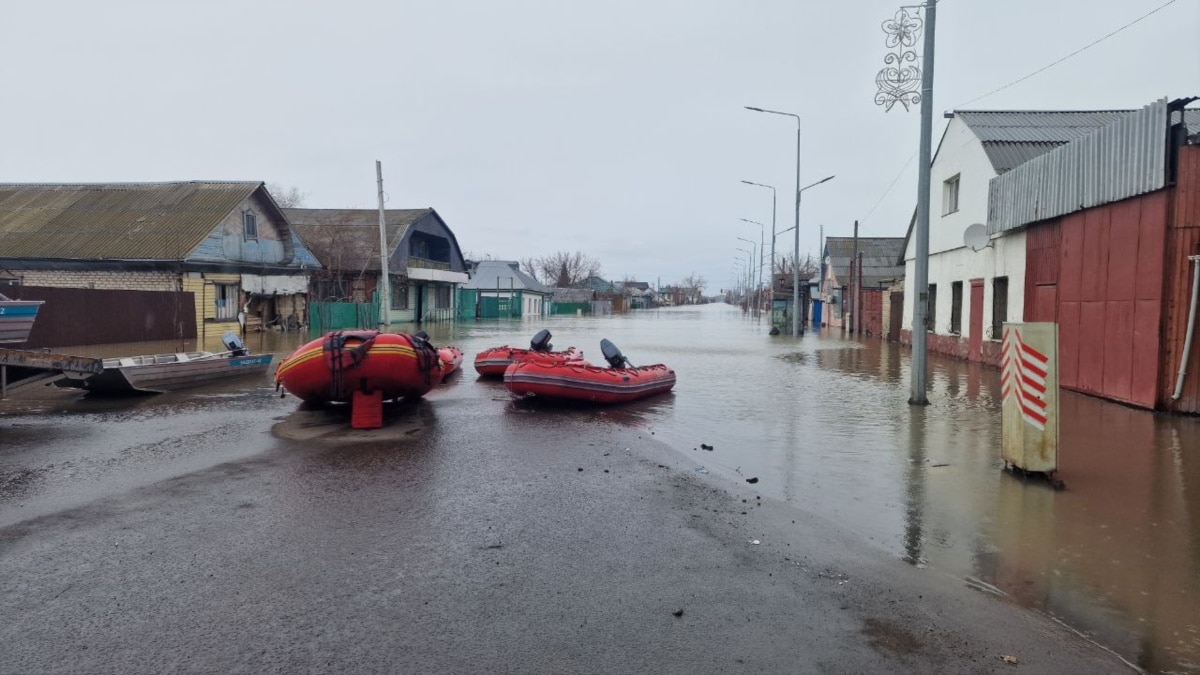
(530, 267)
(287, 197)
(694, 285)
(564, 269)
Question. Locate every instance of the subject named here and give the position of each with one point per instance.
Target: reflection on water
(824, 423)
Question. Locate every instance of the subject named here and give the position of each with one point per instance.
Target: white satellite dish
(976, 237)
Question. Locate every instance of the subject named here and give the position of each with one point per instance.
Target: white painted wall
(949, 260)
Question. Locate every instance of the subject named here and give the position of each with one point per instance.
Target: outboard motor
(421, 339)
(613, 355)
(234, 344)
(541, 341)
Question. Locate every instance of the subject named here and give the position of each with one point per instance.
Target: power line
(889, 187)
(1077, 51)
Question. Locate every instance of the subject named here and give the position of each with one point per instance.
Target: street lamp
(796, 243)
(796, 236)
(761, 253)
(749, 267)
(751, 270)
(771, 269)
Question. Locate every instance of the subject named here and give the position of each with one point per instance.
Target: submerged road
(228, 531)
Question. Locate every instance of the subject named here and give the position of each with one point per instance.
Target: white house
(972, 293)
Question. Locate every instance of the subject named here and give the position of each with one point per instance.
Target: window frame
(931, 309)
(956, 302)
(951, 188)
(232, 293)
(249, 222)
(999, 318)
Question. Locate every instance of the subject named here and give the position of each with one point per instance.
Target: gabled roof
(879, 256)
(596, 283)
(116, 221)
(1012, 137)
(574, 295)
(637, 285)
(348, 239)
(505, 275)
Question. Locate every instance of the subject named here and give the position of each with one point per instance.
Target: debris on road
(678, 612)
(755, 542)
(1011, 660)
(752, 481)
(705, 446)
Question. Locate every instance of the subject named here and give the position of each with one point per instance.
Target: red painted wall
(1183, 240)
(1100, 272)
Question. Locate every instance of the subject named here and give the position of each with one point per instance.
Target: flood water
(823, 423)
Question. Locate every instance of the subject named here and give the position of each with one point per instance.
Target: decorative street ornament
(900, 80)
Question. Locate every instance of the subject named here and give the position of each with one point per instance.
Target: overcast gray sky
(613, 127)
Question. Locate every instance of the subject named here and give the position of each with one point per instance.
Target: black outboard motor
(541, 341)
(421, 334)
(613, 355)
(234, 344)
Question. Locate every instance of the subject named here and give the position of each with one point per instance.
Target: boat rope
(336, 354)
(427, 356)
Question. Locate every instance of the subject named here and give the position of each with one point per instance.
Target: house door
(975, 341)
(1045, 303)
(420, 306)
(896, 319)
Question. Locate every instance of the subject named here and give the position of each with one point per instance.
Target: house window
(399, 295)
(999, 306)
(441, 298)
(956, 295)
(950, 195)
(250, 225)
(227, 301)
(931, 309)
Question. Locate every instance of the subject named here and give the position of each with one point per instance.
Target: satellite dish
(976, 237)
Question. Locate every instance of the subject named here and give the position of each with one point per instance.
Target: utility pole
(898, 84)
(385, 286)
(919, 394)
(854, 263)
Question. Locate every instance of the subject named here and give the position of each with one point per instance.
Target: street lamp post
(749, 269)
(796, 330)
(771, 267)
(755, 272)
(761, 253)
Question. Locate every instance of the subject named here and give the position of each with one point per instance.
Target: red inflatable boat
(580, 381)
(452, 358)
(333, 367)
(493, 362)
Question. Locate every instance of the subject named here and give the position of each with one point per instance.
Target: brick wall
(120, 281)
(955, 346)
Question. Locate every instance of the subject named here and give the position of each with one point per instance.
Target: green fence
(571, 308)
(326, 316)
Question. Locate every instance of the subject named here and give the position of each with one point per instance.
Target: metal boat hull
(157, 378)
(16, 319)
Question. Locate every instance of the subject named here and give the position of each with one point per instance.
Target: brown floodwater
(822, 422)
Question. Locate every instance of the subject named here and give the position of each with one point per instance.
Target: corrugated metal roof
(503, 274)
(347, 240)
(113, 221)
(880, 255)
(1121, 160)
(1012, 137)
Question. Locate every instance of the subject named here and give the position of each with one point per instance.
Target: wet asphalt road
(468, 539)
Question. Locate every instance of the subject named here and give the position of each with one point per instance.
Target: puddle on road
(822, 421)
(402, 422)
